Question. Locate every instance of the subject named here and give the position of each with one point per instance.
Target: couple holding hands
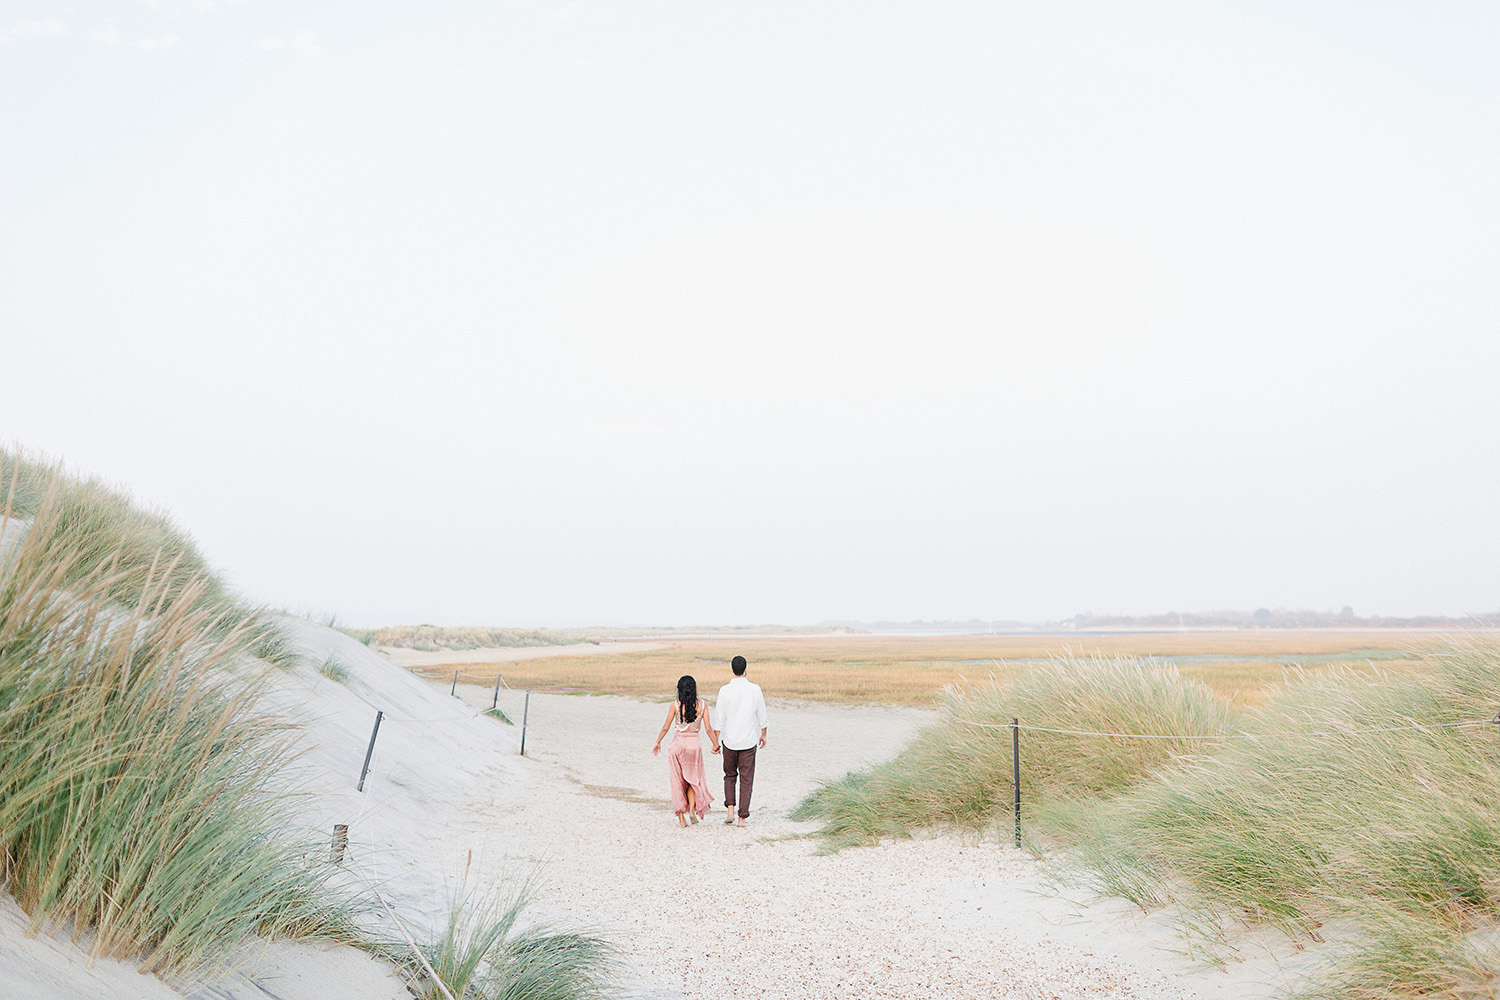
(740, 712)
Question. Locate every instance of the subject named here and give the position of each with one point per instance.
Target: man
(740, 712)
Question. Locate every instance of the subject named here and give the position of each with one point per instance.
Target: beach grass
(136, 767)
(97, 525)
(147, 800)
(334, 669)
(487, 951)
(959, 769)
(1363, 800)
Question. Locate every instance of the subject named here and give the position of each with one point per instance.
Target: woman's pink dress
(685, 762)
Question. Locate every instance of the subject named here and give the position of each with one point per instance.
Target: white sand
(711, 911)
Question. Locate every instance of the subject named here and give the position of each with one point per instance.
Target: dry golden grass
(860, 669)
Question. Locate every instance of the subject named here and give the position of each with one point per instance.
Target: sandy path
(717, 911)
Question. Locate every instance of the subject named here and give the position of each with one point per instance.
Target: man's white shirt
(739, 714)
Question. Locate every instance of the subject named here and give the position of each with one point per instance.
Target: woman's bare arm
(664, 727)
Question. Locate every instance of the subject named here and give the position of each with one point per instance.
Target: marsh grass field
(1239, 666)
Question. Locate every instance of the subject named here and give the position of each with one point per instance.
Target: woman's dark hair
(687, 697)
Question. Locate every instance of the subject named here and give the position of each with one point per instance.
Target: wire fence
(1015, 727)
(443, 673)
(1280, 734)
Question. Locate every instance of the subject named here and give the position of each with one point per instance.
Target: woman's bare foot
(681, 820)
(692, 817)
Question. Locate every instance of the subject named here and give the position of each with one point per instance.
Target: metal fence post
(369, 751)
(1015, 771)
(495, 701)
(454, 688)
(525, 712)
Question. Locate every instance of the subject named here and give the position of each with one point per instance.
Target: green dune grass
(1360, 800)
(135, 764)
(486, 951)
(958, 770)
(139, 796)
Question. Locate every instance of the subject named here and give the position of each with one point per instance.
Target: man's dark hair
(738, 666)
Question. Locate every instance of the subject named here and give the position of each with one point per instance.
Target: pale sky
(684, 313)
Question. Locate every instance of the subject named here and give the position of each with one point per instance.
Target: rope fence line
(1232, 736)
(1015, 728)
(436, 673)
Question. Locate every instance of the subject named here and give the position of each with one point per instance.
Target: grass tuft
(334, 669)
(487, 952)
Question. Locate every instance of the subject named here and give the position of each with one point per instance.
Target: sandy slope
(433, 754)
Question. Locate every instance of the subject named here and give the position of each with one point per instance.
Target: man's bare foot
(740, 821)
(729, 815)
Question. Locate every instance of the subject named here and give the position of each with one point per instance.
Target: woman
(690, 796)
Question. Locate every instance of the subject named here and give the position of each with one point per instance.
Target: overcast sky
(626, 313)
